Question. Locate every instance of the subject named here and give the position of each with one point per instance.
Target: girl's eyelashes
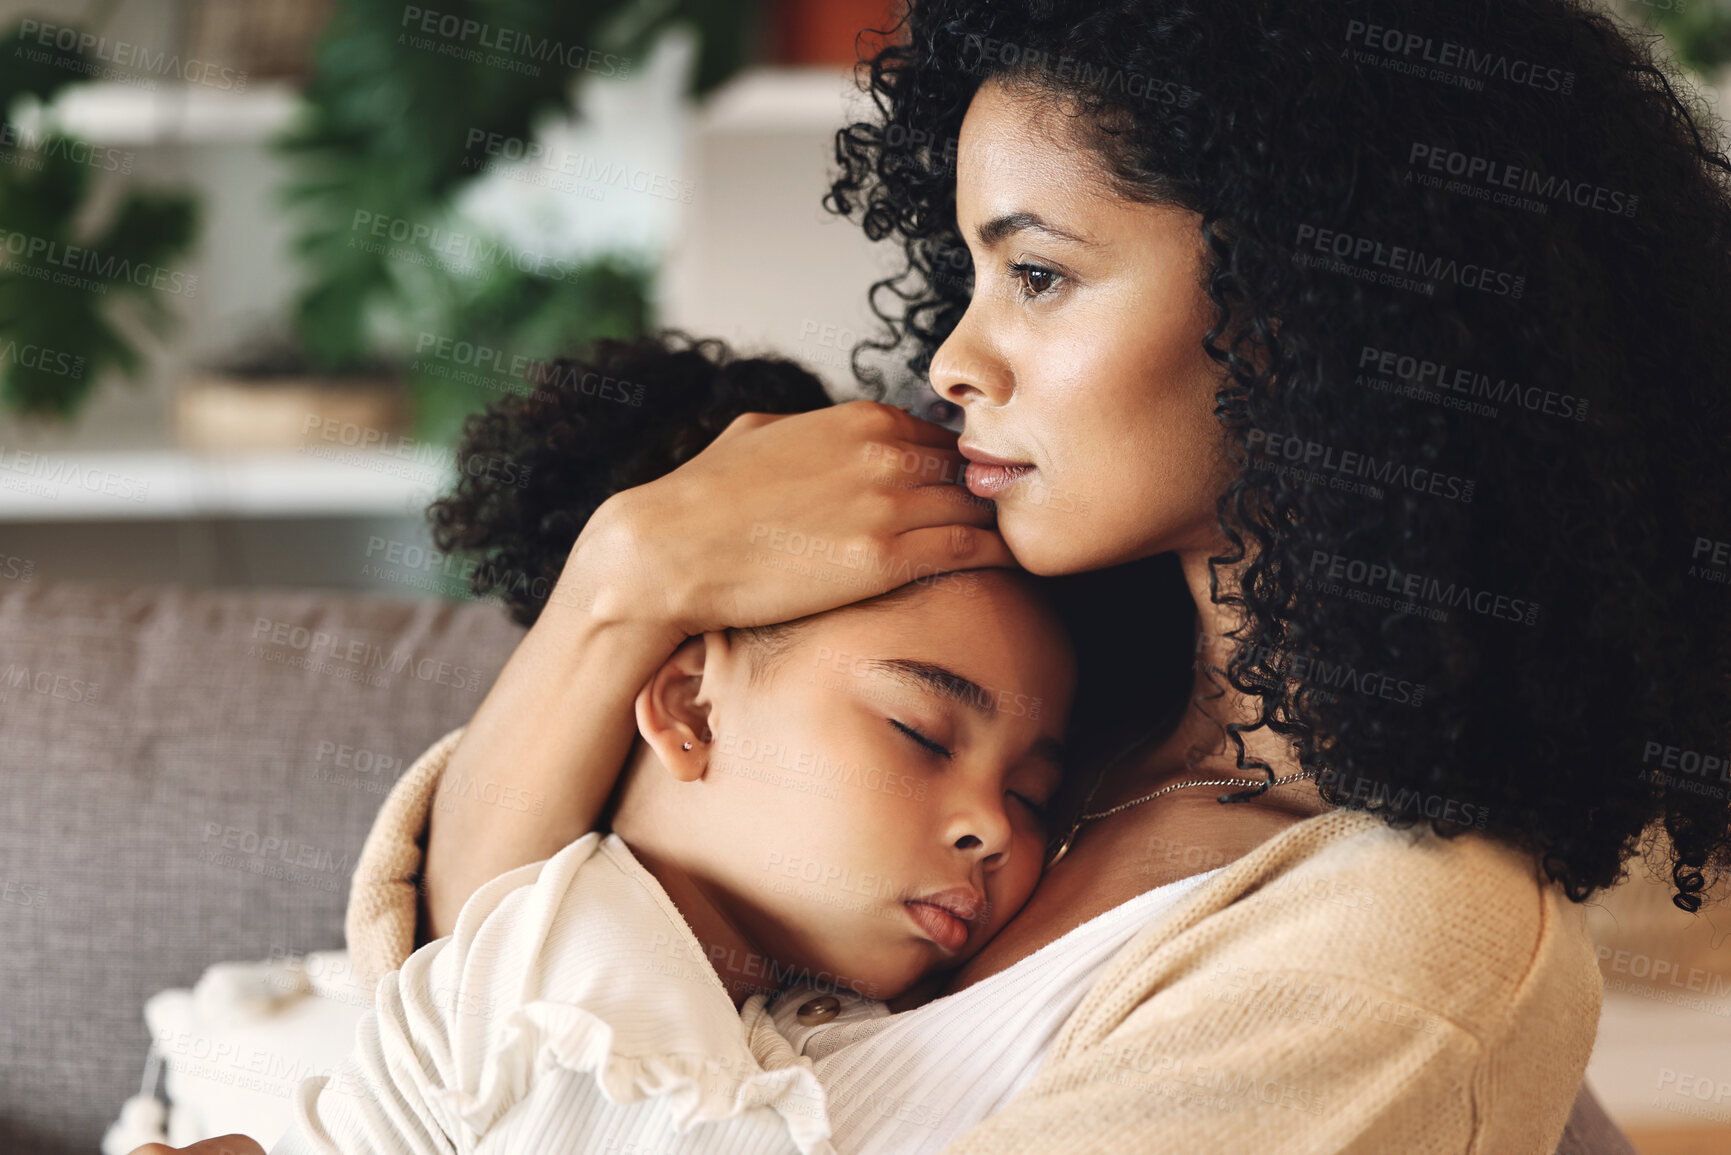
(1041, 810)
(922, 739)
(1033, 280)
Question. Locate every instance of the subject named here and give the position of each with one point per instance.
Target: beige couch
(189, 776)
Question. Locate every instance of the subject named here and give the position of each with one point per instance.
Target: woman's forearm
(536, 763)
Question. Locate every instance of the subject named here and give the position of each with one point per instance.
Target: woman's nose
(962, 373)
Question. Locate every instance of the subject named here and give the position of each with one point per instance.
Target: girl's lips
(940, 925)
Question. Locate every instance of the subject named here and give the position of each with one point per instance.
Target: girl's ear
(673, 711)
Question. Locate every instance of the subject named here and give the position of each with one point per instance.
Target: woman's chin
(1043, 544)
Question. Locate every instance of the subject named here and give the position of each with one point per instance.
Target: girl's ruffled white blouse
(572, 1009)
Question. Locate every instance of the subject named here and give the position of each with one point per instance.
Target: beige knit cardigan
(1344, 987)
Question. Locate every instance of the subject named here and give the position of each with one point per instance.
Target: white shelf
(107, 113)
(162, 484)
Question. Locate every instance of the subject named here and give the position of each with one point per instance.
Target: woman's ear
(673, 710)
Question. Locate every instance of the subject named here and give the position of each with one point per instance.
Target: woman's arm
(756, 529)
(551, 735)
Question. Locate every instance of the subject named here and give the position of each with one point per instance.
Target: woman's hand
(221, 1145)
(779, 517)
(783, 516)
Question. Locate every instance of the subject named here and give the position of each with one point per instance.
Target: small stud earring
(685, 745)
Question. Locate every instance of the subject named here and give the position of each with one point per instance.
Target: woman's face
(1079, 359)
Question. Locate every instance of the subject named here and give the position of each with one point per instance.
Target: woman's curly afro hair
(1550, 644)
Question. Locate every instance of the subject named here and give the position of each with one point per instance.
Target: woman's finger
(926, 506)
(221, 1145)
(909, 464)
(939, 549)
(922, 432)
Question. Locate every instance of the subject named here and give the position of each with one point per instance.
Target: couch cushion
(189, 777)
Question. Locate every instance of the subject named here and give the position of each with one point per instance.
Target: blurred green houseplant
(64, 276)
(396, 93)
(1699, 30)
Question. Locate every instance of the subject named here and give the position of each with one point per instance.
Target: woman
(1399, 334)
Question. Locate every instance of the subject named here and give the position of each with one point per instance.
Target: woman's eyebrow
(1008, 224)
(947, 684)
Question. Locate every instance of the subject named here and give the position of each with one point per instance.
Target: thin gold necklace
(1064, 846)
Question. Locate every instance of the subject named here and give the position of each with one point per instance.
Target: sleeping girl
(845, 806)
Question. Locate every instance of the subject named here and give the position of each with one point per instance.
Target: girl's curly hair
(536, 466)
(1539, 643)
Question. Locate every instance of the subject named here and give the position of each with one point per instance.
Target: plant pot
(214, 411)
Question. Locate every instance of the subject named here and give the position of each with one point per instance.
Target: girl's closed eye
(1041, 810)
(922, 740)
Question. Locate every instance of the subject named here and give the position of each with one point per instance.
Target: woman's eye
(1039, 809)
(922, 739)
(1033, 280)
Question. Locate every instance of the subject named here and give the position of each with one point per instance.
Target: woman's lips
(944, 928)
(991, 480)
(989, 476)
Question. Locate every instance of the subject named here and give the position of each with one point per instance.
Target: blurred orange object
(823, 31)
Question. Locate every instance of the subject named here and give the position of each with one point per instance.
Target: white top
(572, 1009)
(912, 1082)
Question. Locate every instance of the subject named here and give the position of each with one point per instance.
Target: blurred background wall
(616, 166)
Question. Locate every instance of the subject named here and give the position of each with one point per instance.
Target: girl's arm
(778, 518)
